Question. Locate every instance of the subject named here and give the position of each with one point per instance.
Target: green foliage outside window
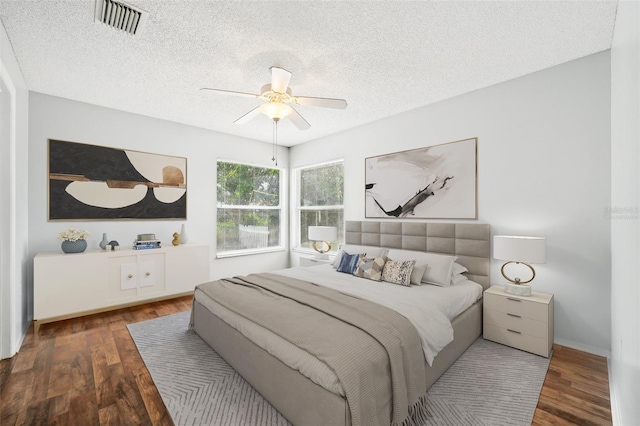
(248, 199)
(321, 200)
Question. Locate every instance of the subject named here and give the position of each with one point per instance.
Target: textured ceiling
(383, 57)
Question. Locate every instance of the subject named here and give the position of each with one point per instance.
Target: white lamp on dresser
(519, 250)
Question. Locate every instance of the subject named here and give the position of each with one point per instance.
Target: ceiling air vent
(120, 16)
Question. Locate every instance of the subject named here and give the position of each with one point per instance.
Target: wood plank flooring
(87, 371)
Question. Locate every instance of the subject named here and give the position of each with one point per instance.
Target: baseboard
(613, 400)
(582, 347)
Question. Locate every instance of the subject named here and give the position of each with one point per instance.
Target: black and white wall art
(435, 182)
(89, 182)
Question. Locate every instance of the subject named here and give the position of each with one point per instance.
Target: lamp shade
(323, 233)
(519, 249)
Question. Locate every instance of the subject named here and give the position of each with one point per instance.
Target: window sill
(308, 252)
(249, 252)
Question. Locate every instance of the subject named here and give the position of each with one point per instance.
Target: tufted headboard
(469, 241)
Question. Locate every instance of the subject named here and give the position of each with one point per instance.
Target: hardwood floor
(87, 371)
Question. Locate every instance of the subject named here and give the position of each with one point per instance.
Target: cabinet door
(123, 278)
(128, 276)
(67, 284)
(151, 272)
(187, 266)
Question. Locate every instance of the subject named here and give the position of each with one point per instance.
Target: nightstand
(312, 261)
(521, 322)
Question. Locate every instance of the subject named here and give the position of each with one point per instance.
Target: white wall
(543, 170)
(56, 118)
(14, 205)
(625, 229)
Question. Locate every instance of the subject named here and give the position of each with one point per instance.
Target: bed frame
(303, 402)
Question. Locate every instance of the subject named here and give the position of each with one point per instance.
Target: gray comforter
(374, 351)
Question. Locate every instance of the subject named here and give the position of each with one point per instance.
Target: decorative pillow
(398, 271)
(418, 269)
(370, 268)
(349, 262)
(370, 251)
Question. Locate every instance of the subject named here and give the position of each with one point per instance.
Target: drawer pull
(148, 273)
(129, 276)
(513, 331)
(514, 300)
(514, 315)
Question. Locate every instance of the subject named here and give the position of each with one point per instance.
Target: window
(320, 194)
(249, 209)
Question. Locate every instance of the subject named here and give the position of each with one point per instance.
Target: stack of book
(145, 242)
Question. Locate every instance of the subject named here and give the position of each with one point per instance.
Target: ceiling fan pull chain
(273, 142)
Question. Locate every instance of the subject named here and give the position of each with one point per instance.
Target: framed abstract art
(434, 182)
(89, 182)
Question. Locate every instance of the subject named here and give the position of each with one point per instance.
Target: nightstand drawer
(518, 306)
(516, 323)
(525, 342)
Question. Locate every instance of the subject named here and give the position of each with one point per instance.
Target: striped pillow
(349, 262)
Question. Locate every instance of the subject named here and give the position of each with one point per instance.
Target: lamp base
(518, 289)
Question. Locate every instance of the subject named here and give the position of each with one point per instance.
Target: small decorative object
(146, 241)
(104, 242)
(324, 235)
(523, 250)
(183, 235)
(176, 239)
(73, 240)
(114, 245)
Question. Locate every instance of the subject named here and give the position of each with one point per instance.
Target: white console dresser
(71, 285)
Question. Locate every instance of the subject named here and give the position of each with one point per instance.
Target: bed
(301, 399)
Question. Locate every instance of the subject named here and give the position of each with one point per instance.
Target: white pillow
(418, 269)
(456, 274)
(439, 266)
(369, 251)
(458, 269)
(457, 279)
(440, 269)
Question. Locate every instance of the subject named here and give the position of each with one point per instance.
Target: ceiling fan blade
(230, 92)
(298, 120)
(279, 79)
(319, 102)
(248, 116)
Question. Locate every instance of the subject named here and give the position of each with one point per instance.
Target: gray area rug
(490, 384)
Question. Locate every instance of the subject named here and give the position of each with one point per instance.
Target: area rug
(490, 384)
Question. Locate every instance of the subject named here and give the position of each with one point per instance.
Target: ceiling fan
(278, 99)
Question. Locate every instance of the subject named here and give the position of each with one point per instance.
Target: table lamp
(525, 250)
(324, 235)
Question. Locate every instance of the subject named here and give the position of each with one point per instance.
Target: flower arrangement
(73, 234)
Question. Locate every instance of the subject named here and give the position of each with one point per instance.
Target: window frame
(296, 208)
(281, 207)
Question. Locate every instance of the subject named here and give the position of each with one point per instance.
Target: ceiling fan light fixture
(275, 110)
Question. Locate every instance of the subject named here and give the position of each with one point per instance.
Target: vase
(104, 242)
(183, 235)
(74, 246)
